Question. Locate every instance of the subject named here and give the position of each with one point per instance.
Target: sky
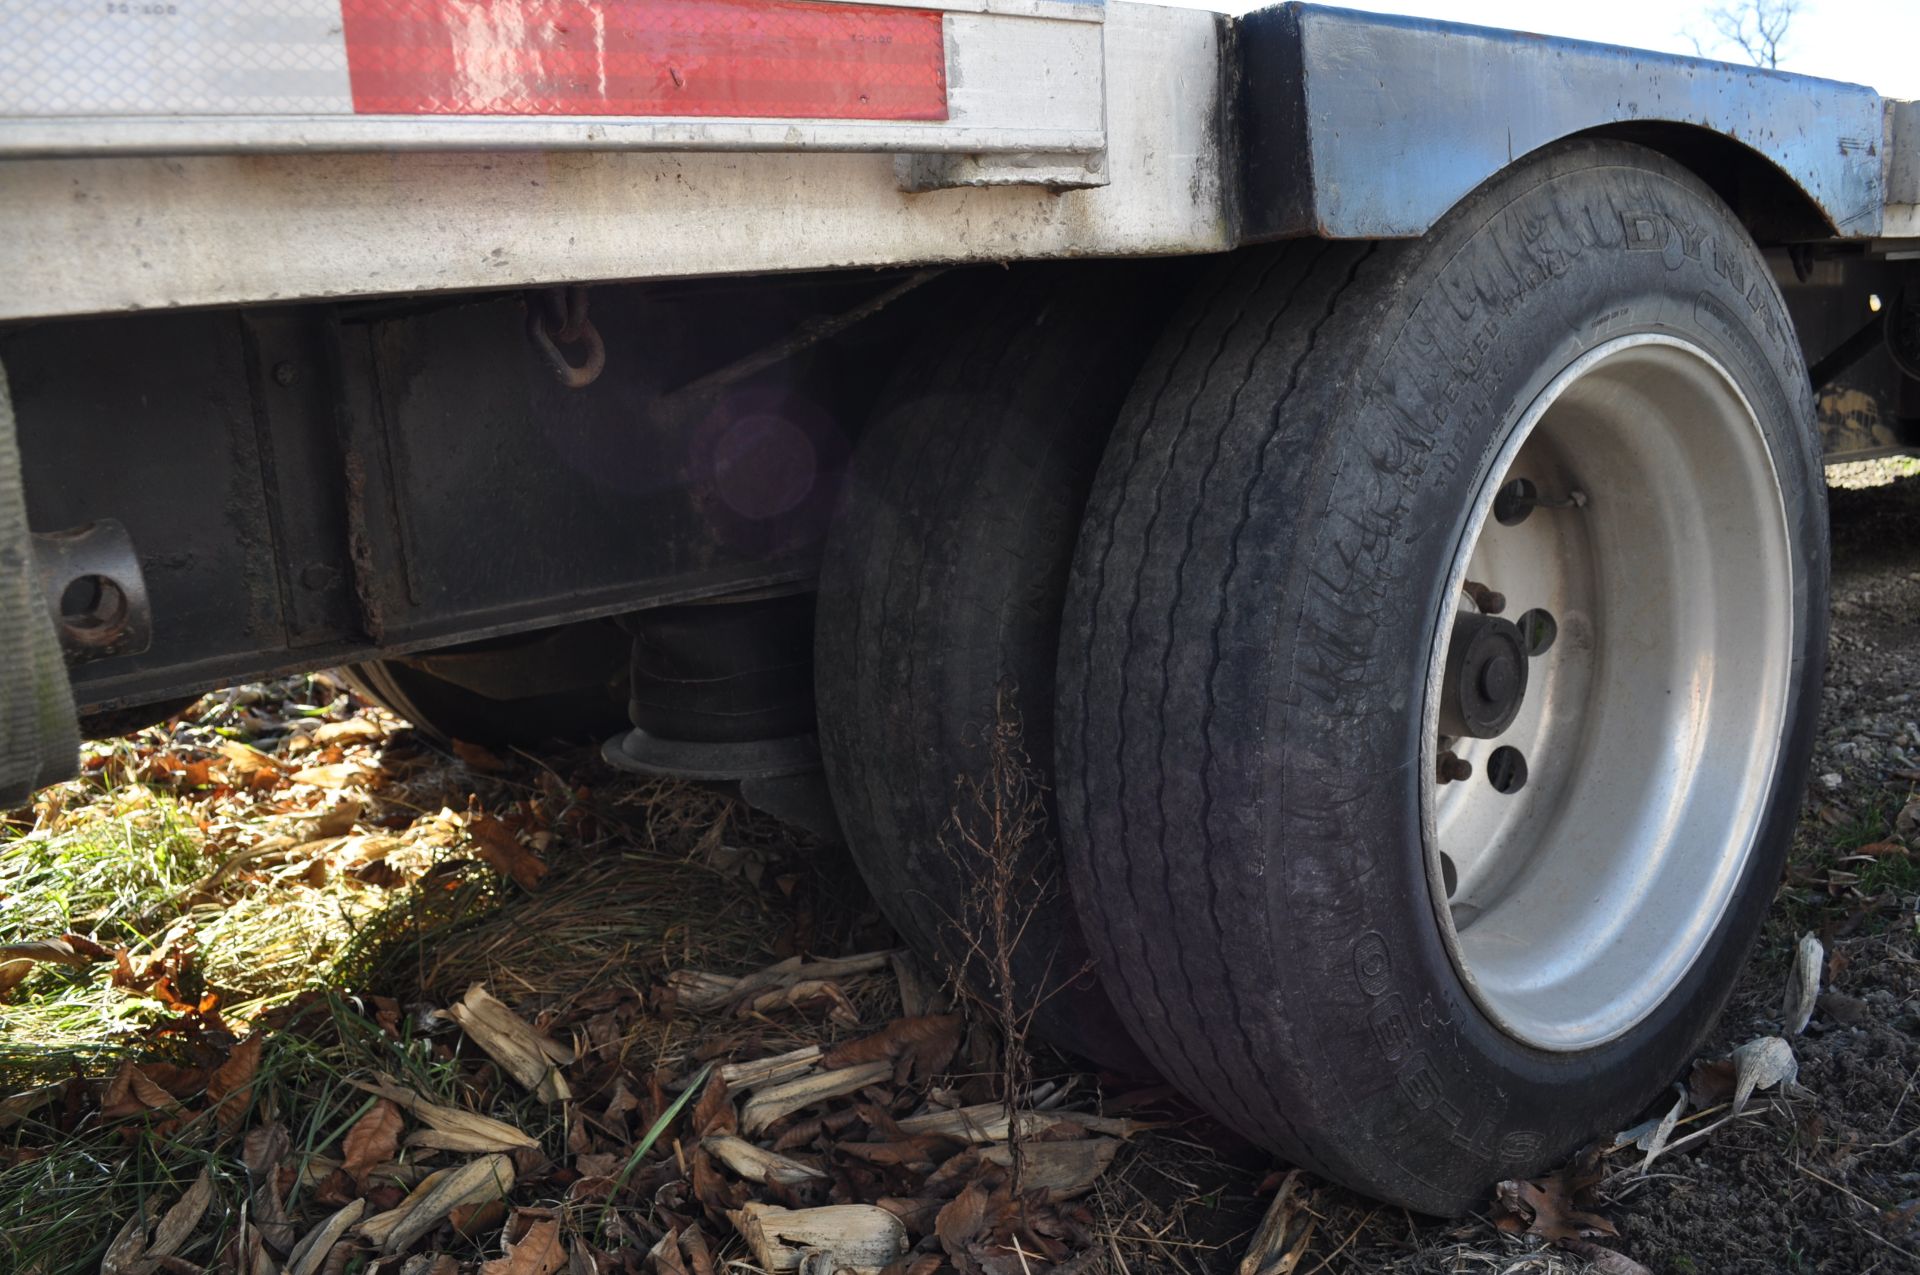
(1875, 42)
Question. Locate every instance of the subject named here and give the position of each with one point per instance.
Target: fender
(1365, 126)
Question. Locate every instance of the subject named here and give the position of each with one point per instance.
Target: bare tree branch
(1757, 28)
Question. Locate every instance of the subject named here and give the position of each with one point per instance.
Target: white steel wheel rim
(1650, 728)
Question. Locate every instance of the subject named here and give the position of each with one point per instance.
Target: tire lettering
(1392, 1028)
(1372, 964)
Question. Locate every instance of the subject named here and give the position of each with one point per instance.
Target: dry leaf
(987, 1122)
(714, 1113)
(962, 1219)
(503, 852)
(337, 820)
(538, 1252)
(1803, 984)
(762, 1071)
(1546, 1207)
(759, 1165)
(56, 951)
(373, 1140)
(180, 1220)
(129, 1245)
(1655, 1141)
(1710, 1084)
(1277, 1246)
(926, 1045)
(231, 1086)
(488, 1178)
(1762, 1064)
(1605, 1261)
(451, 1128)
(352, 731)
(778, 1101)
(860, 1238)
(340, 774)
(526, 1055)
(12, 974)
(312, 1250)
(1062, 1169)
(478, 757)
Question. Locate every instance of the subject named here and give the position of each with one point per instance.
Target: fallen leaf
(1605, 1261)
(479, 758)
(1762, 1064)
(1710, 1084)
(693, 1243)
(807, 995)
(778, 1101)
(961, 1219)
(861, 1238)
(1803, 984)
(757, 1164)
(337, 820)
(1061, 1169)
(339, 774)
(246, 763)
(490, 1177)
(1654, 1142)
(925, 1045)
(526, 1055)
(1547, 1211)
(352, 731)
(451, 1128)
(179, 1221)
(373, 1140)
(312, 1250)
(12, 974)
(231, 1086)
(126, 1249)
(56, 951)
(1278, 1244)
(714, 1112)
(503, 852)
(538, 1252)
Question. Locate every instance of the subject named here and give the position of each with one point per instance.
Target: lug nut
(1490, 601)
(1450, 767)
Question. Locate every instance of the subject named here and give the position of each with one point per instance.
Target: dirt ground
(286, 867)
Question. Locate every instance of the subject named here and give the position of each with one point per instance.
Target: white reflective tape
(172, 57)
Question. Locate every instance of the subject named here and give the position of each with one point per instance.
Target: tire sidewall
(1584, 245)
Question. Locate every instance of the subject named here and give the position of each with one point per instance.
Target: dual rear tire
(1408, 978)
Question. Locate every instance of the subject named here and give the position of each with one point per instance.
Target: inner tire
(566, 683)
(940, 593)
(1268, 579)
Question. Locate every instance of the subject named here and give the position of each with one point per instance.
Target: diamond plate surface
(172, 57)
(759, 58)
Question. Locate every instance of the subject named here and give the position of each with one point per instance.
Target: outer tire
(1242, 656)
(943, 579)
(567, 683)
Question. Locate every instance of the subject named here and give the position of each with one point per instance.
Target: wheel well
(1768, 202)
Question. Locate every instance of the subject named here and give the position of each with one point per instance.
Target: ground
(236, 922)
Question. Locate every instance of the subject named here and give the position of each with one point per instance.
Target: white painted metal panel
(112, 233)
(80, 77)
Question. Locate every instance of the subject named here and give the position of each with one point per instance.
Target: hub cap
(1606, 698)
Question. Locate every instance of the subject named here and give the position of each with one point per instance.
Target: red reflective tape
(778, 59)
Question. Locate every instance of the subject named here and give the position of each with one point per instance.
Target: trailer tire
(941, 586)
(1265, 608)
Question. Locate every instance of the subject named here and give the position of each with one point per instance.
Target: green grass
(111, 862)
(59, 1211)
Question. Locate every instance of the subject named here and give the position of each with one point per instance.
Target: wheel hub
(1595, 773)
(1486, 677)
